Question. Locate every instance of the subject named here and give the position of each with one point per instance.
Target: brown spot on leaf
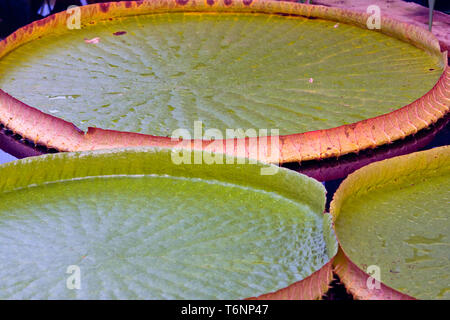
(182, 2)
(104, 7)
(210, 2)
(119, 33)
(228, 2)
(247, 2)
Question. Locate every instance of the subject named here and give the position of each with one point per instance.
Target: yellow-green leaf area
(395, 215)
(155, 73)
(140, 227)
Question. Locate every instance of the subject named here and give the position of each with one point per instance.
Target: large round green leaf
(139, 226)
(136, 71)
(228, 70)
(394, 215)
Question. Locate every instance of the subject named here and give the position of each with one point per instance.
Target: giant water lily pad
(149, 68)
(137, 225)
(392, 218)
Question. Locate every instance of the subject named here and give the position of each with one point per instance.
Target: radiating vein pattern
(154, 237)
(227, 70)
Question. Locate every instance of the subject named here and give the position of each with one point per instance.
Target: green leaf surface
(394, 214)
(139, 226)
(228, 70)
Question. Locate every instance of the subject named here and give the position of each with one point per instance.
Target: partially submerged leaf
(139, 226)
(394, 215)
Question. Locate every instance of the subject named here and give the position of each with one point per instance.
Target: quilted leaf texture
(156, 66)
(135, 225)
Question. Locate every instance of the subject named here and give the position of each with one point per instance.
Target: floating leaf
(138, 226)
(246, 66)
(394, 215)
